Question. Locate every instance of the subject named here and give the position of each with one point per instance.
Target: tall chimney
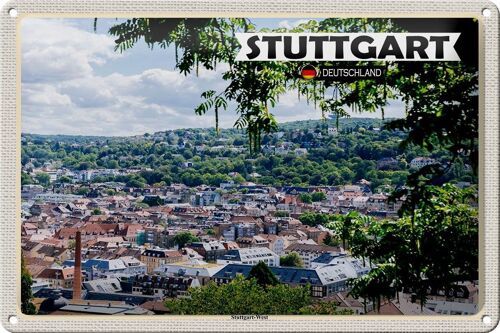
(77, 275)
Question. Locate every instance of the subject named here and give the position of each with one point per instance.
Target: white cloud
(291, 24)
(55, 50)
(44, 95)
(65, 92)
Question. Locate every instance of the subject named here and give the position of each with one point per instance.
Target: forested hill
(344, 123)
(300, 153)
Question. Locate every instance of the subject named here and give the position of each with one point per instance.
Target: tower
(77, 275)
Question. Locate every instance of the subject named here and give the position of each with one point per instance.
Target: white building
(360, 202)
(333, 131)
(309, 252)
(28, 192)
(277, 244)
(106, 268)
(353, 265)
(57, 197)
(195, 268)
(250, 256)
(301, 151)
(420, 162)
(452, 308)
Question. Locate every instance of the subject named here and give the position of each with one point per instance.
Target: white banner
(347, 46)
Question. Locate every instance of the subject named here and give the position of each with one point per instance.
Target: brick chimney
(77, 275)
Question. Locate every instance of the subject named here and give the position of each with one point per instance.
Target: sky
(74, 83)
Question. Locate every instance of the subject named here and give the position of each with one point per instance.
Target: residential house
(56, 277)
(162, 286)
(198, 269)
(309, 252)
(154, 258)
(420, 162)
(323, 281)
(250, 256)
(210, 250)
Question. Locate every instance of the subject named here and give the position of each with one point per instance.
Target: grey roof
(296, 275)
(289, 275)
(103, 309)
(49, 292)
(247, 253)
(326, 258)
(233, 255)
(111, 285)
(123, 297)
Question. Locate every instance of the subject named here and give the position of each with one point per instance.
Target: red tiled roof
(66, 232)
(242, 218)
(386, 309)
(50, 273)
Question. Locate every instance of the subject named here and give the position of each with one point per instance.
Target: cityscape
(144, 192)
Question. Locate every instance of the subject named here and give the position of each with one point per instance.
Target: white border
(10, 163)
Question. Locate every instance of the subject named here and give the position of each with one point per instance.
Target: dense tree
(281, 213)
(183, 238)
(343, 225)
(27, 307)
(431, 247)
(135, 183)
(305, 198)
(263, 275)
(112, 164)
(330, 241)
(43, 179)
(246, 297)
(314, 219)
(327, 158)
(437, 93)
(153, 200)
(64, 180)
(291, 260)
(84, 190)
(318, 196)
(26, 178)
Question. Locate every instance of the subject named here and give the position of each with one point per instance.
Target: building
(452, 308)
(275, 243)
(377, 202)
(100, 268)
(324, 281)
(56, 197)
(154, 235)
(246, 230)
(255, 241)
(198, 269)
(207, 198)
(360, 202)
(300, 151)
(101, 308)
(309, 252)
(359, 266)
(250, 256)
(162, 286)
(28, 192)
(387, 163)
(154, 258)
(56, 277)
(110, 285)
(210, 251)
(420, 162)
(333, 131)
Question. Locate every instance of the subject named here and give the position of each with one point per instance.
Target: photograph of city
(162, 176)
